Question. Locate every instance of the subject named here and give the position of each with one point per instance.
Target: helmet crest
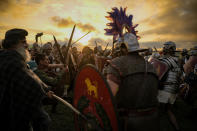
(118, 21)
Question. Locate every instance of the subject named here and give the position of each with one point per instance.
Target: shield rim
(107, 85)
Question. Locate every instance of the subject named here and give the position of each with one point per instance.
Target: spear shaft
(155, 49)
(70, 106)
(96, 44)
(59, 50)
(106, 47)
(69, 43)
(91, 123)
(80, 38)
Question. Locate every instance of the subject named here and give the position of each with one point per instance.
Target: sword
(91, 123)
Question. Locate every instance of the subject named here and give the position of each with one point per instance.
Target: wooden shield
(93, 98)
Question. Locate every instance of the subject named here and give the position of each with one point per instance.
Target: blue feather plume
(118, 21)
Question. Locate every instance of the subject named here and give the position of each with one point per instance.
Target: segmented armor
(171, 81)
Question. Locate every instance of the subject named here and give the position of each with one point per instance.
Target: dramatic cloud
(18, 8)
(5, 5)
(177, 18)
(68, 22)
(4, 27)
(159, 20)
(61, 22)
(47, 33)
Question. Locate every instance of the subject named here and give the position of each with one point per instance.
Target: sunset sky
(159, 20)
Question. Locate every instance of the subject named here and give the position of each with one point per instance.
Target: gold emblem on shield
(91, 88)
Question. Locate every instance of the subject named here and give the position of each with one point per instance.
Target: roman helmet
(169, 47)
(120, 22)
(193, 51)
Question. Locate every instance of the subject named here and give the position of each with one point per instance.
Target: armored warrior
(170, 81)
(132, 80)
(191, 80)
(190, 64)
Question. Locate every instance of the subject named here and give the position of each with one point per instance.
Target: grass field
(63, 120)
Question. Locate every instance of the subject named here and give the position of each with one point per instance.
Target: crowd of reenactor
(179, 79)
(143, 82)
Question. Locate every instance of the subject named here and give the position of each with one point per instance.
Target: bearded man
(21, 91)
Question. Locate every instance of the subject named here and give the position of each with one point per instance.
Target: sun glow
(78, 34)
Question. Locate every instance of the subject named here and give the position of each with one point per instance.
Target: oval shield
(93, 97)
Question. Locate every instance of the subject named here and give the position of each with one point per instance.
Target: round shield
(93, 98)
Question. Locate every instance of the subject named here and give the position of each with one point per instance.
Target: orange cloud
(18, 8)
(68, 22)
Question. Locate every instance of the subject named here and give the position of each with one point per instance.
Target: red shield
(161, 68)
(93, 98)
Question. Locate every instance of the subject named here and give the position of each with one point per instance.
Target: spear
(70, 106)
(96, 44)
(106, 47)
(73, 60)
(96, 47)
(155, 49)
(114, 41)
(69, 43)
(80, 38)
(59, 50)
